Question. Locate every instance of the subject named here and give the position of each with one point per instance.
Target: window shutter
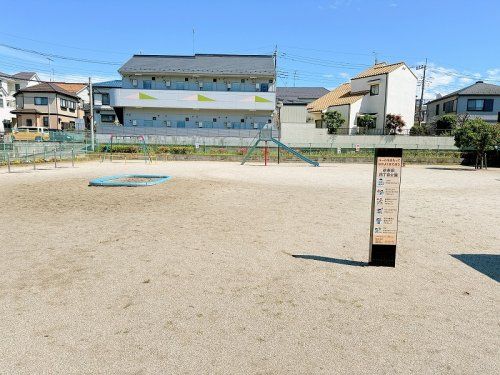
(488, 105)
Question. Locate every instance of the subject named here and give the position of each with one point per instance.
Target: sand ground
(195, 276)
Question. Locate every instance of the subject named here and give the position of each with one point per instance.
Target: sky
(318, 42)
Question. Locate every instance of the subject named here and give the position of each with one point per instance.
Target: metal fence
(179, 132)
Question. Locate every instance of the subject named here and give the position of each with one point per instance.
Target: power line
(60, 56)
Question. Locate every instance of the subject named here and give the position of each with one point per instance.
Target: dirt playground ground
(198, 275)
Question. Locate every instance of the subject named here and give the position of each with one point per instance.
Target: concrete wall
(304, 135)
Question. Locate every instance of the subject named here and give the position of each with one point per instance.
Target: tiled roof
(71, 87)
(241, 65)
(380, 68)
(24, 75)
(117, 83)
(478, 88)
(47, 87)
(299, 95)
(342, 95)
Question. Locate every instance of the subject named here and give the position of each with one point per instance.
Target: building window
(214, 80)
(319, 124)
(437, 109)
(17, 87)
(448, 106)
(134, 82)
(107, 118)
(481, 105)
(45, 121)
(374, 89)
(214, 120)
(1, 102)
(186, 119)
(64, 103)
(146, 84)
(167, 123)
(41, 100)
(264, 87)
(242, 80)
(29, 123)
(105, 99)
(242, 120)
(186, 79)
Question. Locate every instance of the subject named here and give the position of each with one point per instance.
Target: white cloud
(443, 80)
(328, 75)
(493, 74)
(344, 74)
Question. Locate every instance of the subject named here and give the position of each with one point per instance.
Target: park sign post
(385, 206)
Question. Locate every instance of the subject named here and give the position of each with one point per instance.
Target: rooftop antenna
(51, 69)
(193, 41)
(375, 57)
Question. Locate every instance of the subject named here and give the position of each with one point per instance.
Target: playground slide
(297, 154)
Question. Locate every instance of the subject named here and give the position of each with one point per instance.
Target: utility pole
(424, 67)
(91, 98)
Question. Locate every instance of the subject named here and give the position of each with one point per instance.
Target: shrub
(333, 120)
(367, 121)
(394, 123)
(445, 124)
(242, 151)
(175, 150)
(124, 149)
(420, 129)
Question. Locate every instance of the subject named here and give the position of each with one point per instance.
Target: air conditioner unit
(257, 86)
(134, 82)
(134, 122)
(200, 124)
(229, 85)
(167, 83)
(255, 125)
(200, 84)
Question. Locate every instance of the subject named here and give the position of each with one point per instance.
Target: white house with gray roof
(211, 93)
(478, 100)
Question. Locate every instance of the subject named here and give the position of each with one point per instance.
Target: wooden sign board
(385, 206)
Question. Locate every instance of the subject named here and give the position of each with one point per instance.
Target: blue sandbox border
(109, 180)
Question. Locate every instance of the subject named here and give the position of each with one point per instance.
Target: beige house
(378, 91)
(47, 105)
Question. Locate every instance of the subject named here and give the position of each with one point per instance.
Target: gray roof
(210, 64)
(478, 88)
(299, 95)
(117, 83)
(24, 75)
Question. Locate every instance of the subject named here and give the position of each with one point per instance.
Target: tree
(445, 124)
(477, 136)
(420, 129)
(366, 122)
(333, 120)
(394, 123)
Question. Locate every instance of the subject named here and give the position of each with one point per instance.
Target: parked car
(30, 134)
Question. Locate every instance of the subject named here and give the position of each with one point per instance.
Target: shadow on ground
(345, 262)
(487, 264)
(463, 169)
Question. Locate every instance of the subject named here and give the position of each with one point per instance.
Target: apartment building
(104, 113)
(379, 90)
(9, 84)
(47, 105)
(203, 91)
